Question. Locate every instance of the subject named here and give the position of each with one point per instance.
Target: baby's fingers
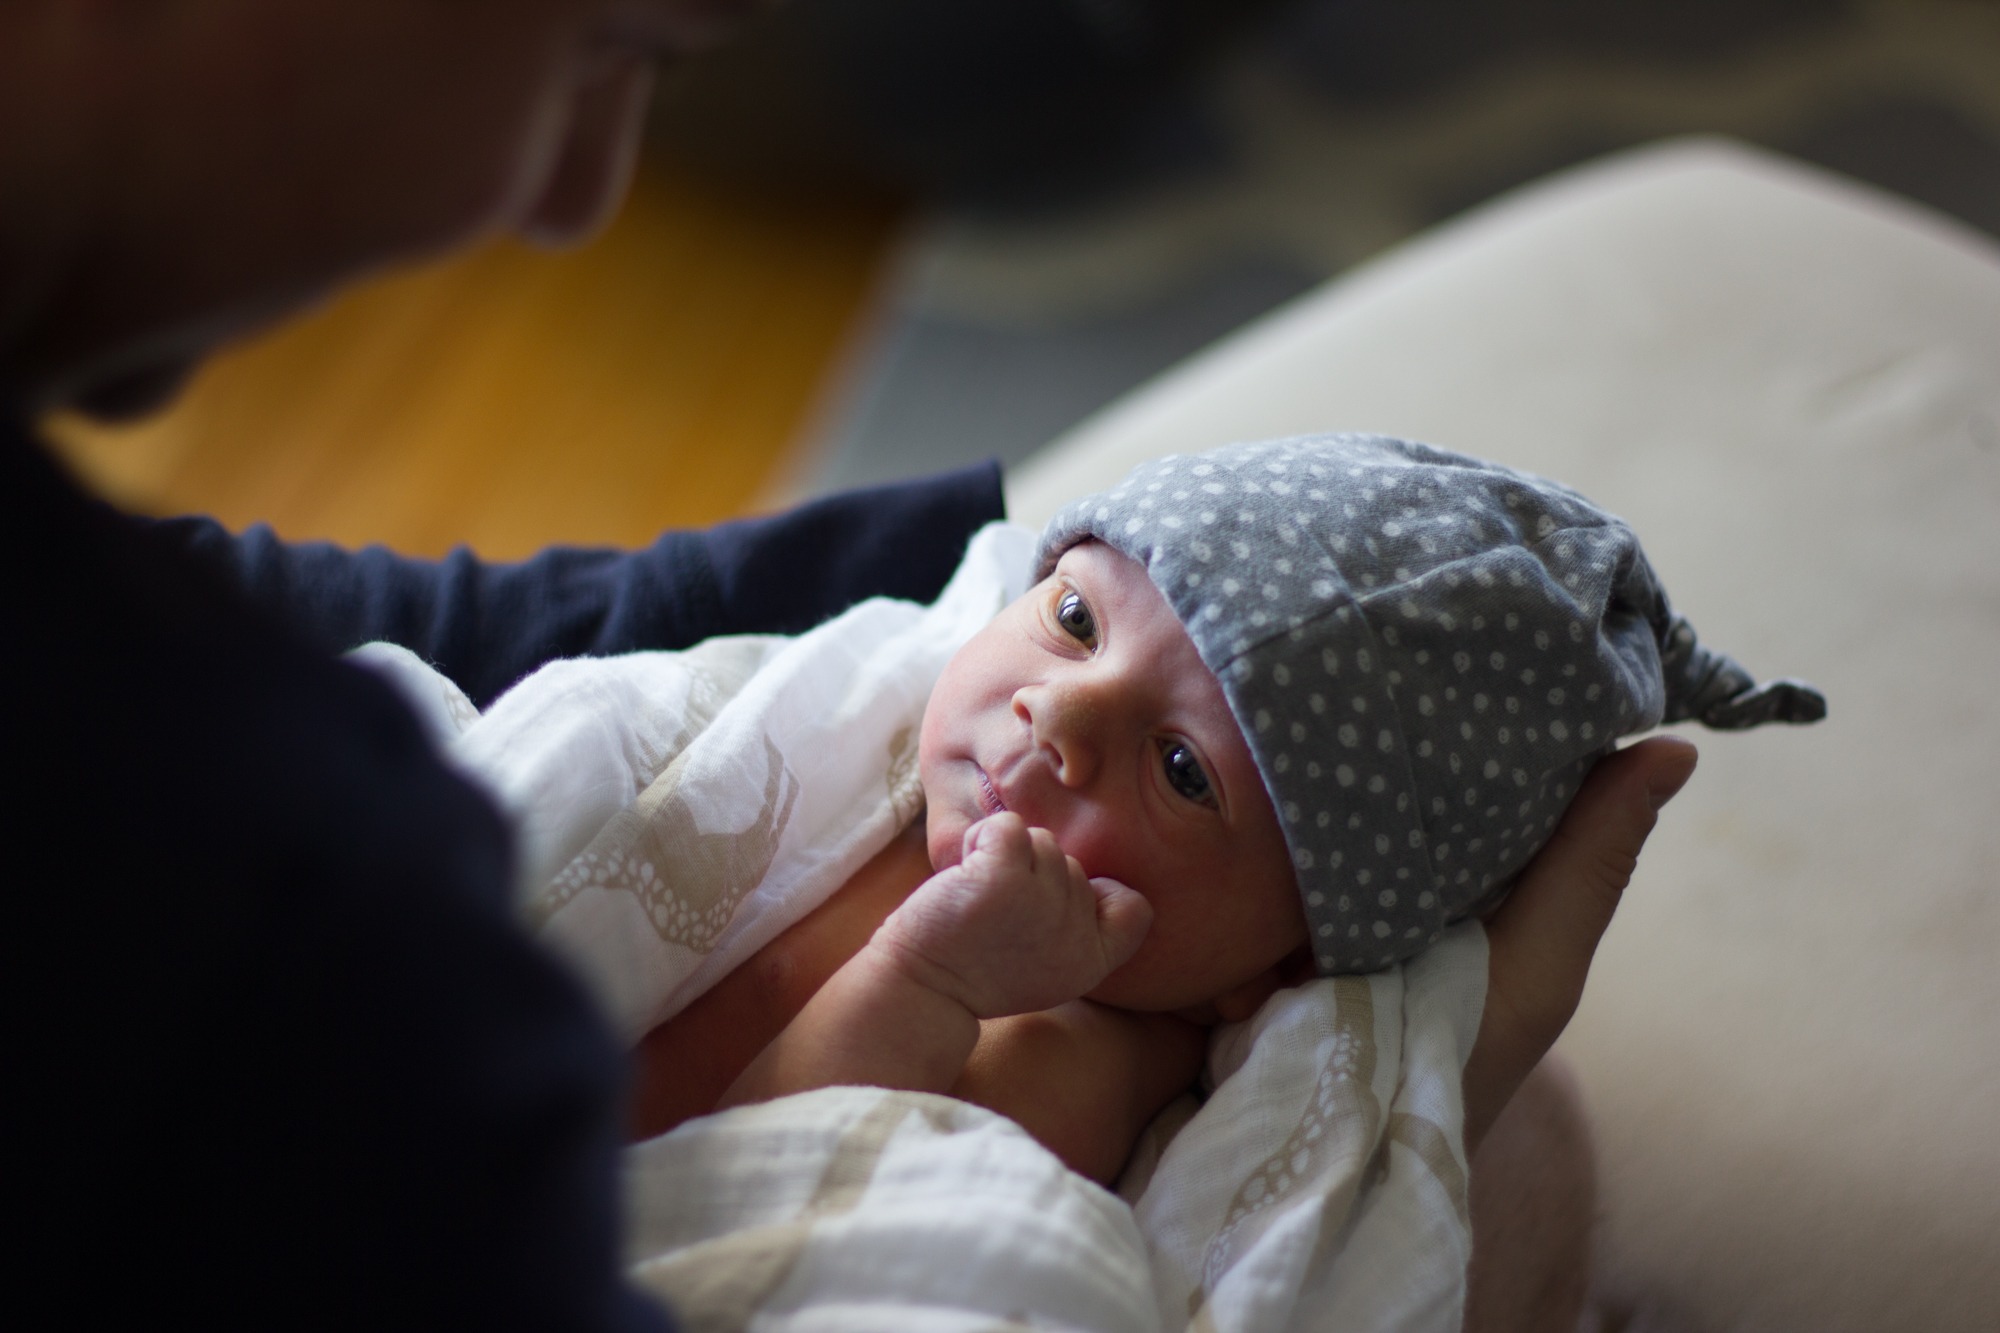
(1123, 918)
(1004, 837)
(1050, 864)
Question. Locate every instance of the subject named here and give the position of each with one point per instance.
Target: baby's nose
(1067, 721)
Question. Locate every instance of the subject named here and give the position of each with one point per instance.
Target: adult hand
(1541, 939)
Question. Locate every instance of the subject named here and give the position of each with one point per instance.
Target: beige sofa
(1791, 385)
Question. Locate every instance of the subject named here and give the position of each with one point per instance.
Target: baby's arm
(1013, 928)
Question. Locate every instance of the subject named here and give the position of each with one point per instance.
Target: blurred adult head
(173, 172)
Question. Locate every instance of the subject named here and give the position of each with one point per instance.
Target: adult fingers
(1541, 940)
(1547, 931)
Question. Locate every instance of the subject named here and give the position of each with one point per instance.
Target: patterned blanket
(677, 811)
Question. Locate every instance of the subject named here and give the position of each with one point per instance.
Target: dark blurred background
(878, 237)
(1108, 185)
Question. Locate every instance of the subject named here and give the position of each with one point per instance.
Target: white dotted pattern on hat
(1426, 654)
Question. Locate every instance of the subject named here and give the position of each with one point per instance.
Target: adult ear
(599, 153)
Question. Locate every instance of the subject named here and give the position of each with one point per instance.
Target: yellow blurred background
(660, 376)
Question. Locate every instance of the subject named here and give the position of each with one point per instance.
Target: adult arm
(486, 625)
(284, 1056)
(1533, 1187)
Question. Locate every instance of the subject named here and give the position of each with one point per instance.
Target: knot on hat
(1712, 689)
(1426, 654)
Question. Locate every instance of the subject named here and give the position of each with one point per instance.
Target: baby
(1277, 710)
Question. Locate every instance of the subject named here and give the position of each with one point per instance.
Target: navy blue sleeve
(282, 1056)
(486, 625)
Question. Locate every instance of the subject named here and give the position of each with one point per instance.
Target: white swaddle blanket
(677, 811)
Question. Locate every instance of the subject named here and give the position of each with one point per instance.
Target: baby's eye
(1075, 619)
(1184, 773)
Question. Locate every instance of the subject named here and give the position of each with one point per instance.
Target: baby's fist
(1015, 926)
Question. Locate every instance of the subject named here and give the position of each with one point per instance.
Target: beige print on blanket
(678, 810)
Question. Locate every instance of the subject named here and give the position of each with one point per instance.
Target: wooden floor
(512, 398)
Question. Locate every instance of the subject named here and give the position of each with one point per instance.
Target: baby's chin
(1131, 989)
(1140, 986)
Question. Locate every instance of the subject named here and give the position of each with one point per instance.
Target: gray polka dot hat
(1426, 653)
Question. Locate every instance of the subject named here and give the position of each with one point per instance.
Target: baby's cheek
(1112, 847)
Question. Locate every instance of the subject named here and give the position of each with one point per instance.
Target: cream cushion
(1790, 384)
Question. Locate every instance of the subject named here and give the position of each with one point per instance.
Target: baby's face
(1085, 709)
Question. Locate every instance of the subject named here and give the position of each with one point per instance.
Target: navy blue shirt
(277, 1054)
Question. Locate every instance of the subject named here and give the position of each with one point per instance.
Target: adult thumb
(1543, 937)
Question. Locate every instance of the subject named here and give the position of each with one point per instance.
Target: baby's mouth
(989, 796)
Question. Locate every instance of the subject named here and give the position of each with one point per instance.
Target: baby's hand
(1014, 927)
